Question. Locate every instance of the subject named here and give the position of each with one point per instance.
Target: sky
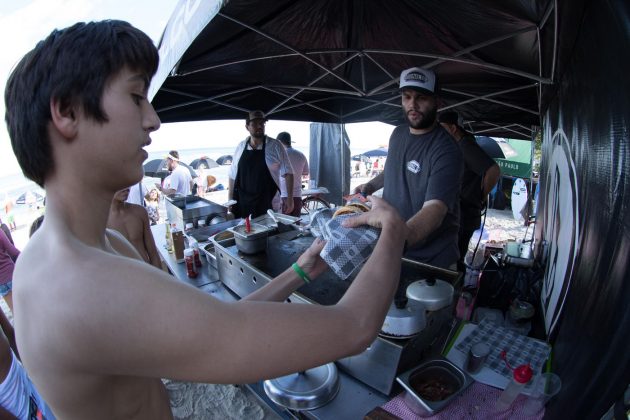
(25, 22)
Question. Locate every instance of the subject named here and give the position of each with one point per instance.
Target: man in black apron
(254, 187)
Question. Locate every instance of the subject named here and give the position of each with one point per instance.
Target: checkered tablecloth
(519, 348)
(346, 248)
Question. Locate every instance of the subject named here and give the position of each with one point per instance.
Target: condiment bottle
(189, 259)
(197, 256)
(521, 376)
(169, 239)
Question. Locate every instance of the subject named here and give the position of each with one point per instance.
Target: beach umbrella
(361, 158)
(380, 152)
(29, 197)
(496, 148)
(204, 162)
(225, 160)
(157, 168)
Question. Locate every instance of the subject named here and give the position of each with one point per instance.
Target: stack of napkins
(346, 248)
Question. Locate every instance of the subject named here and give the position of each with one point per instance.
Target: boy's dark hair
(72, 66)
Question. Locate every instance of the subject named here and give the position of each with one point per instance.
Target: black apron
(254, 187)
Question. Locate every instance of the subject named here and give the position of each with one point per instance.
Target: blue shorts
(5, 288)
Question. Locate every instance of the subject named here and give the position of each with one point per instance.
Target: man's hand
(364, 189)
(311, 262)
(287, 205)
(382, 215)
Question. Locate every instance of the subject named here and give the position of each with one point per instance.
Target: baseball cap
(285, 138)
(256, 115)
(419, 79)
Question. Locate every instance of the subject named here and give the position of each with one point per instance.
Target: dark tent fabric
(329, 156)
(506, 67)
(339, 61)
(584, 218)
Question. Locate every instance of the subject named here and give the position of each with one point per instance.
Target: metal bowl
(250, 242)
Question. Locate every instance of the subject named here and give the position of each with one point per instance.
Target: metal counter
(354, 399)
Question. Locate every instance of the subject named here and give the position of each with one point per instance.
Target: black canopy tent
(339, 60)
(508, 67)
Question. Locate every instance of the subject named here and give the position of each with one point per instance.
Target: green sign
(520, 165)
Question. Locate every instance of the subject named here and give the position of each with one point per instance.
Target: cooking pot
(305, 390)
(251, 242)
(432, 293)
(405, 318)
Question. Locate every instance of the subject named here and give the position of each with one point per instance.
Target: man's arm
(373, 185)
(288, 178)
(230, 189)
(490, 179)
(147, 239)
(423, 223)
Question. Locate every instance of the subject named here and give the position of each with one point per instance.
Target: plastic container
(522, 375)
(189, 259)
(197, 255)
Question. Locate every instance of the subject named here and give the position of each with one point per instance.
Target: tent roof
(339, 60)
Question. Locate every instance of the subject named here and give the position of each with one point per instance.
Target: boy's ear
(64, 118)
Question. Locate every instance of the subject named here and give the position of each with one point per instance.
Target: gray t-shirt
(421, 168)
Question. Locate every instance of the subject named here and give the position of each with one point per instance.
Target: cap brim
(417, 89)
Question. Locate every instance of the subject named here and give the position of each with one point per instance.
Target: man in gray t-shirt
(422, 177)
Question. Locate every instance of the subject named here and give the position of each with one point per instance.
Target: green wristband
(301, 273)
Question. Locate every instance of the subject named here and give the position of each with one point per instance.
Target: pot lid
(305, 390)
(433, 296)
(404, 322)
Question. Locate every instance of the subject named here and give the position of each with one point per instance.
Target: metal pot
(404, 319)
(306, 390)
(433, 294)
(252, 242)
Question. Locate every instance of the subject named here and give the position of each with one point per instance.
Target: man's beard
(426, 120)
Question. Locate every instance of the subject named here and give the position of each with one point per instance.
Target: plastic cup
(312, 184)
(546, 386)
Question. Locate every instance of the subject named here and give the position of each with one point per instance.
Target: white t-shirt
(300, 167)
(180, 180)
(277, 161)
(136, 196)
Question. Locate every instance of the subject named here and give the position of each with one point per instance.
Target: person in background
(423, 174)
(180, 180)
(8, 256)
(6, 231)
(8, 209)
(481, 174)
(152, 200)
(137, 193)
(300, 169)
(132, 222)
(18, 397)
(254, 177)
(124, 324)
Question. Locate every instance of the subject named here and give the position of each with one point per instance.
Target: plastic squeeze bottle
(521, 376)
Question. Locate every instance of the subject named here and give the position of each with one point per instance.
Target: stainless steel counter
(354, 399)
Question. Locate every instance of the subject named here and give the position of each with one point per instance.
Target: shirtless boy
(97, 330)
(132, 221)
